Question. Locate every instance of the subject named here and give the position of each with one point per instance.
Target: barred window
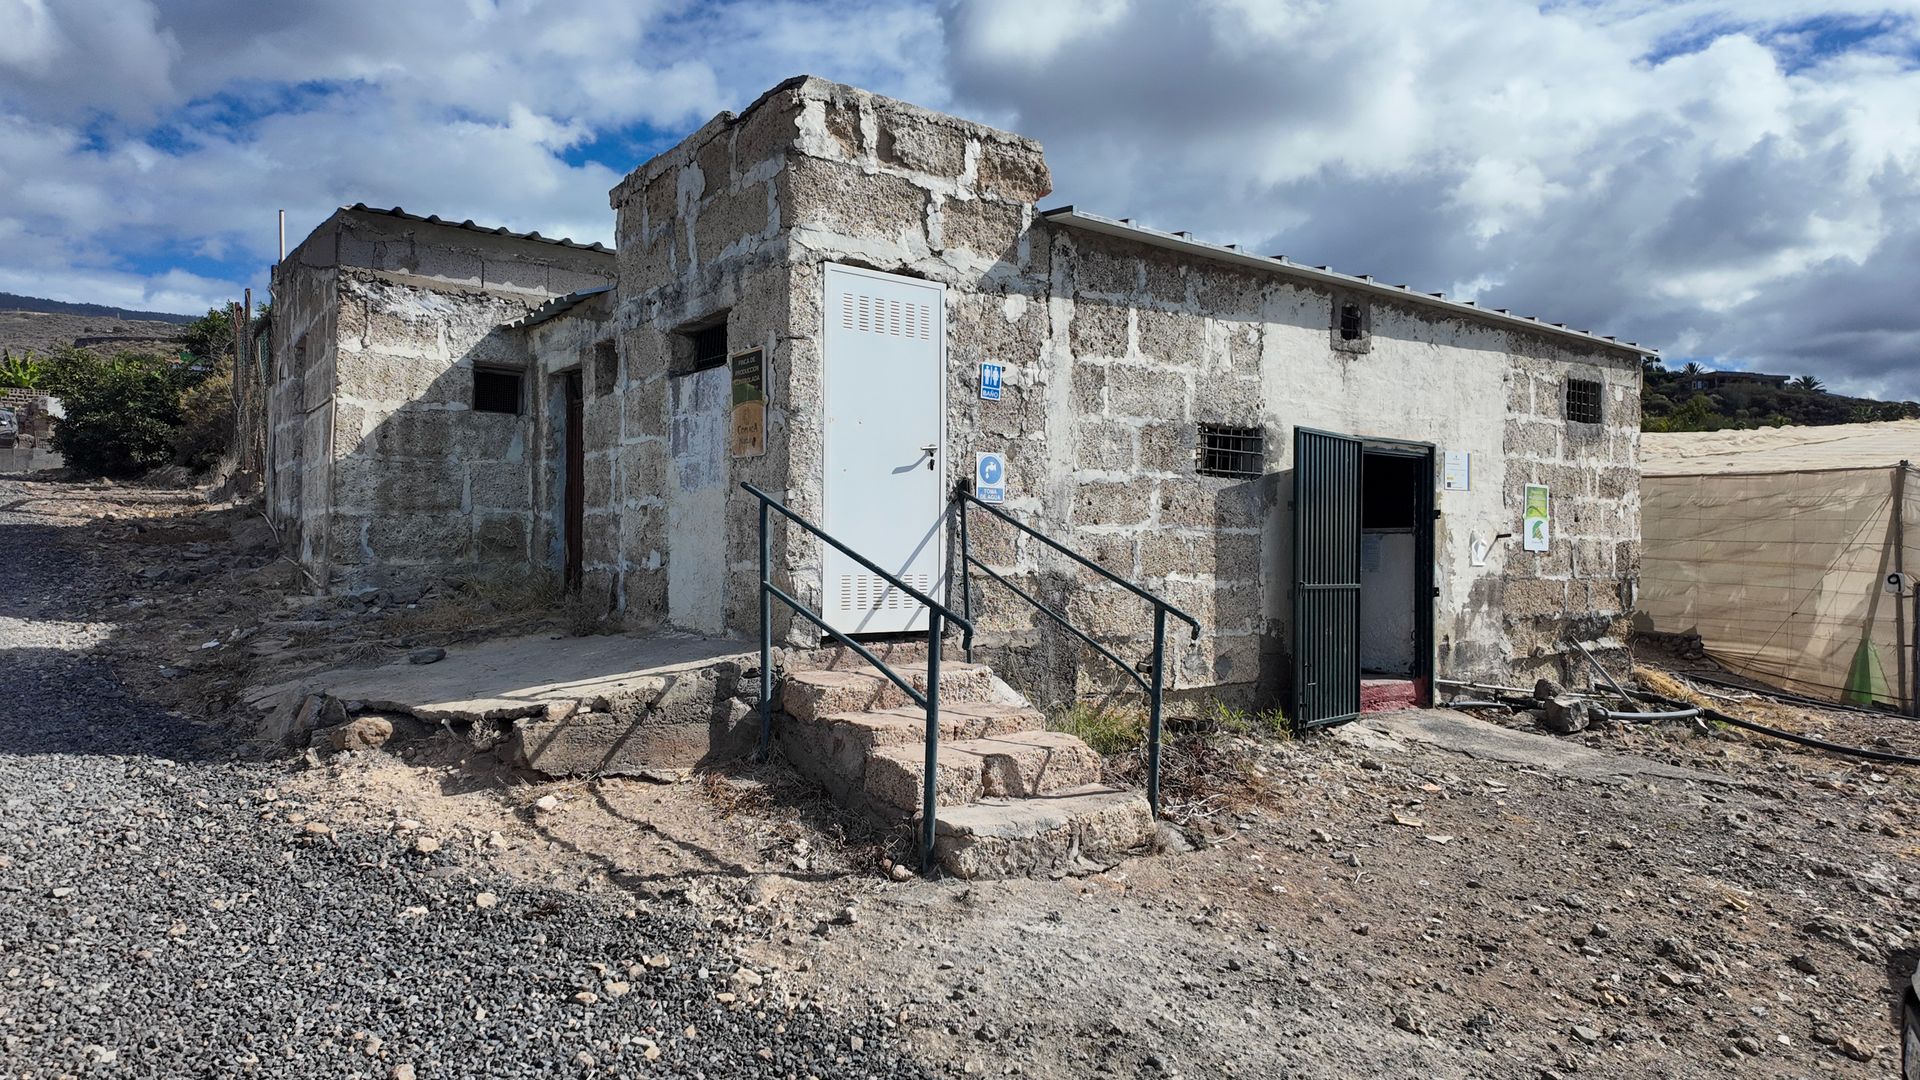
(1351, 326)
(1583, 401)
(1232, 451)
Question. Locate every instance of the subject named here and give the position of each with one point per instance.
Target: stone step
(810, 695)
(959, 720)
(1078, 830)
(1014, 765)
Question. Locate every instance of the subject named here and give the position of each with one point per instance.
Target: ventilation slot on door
(894, 318)
(871, 592)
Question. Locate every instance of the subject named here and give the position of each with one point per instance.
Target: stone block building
(398, 420)
(857, 304)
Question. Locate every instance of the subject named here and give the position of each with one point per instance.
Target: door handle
(930, 450)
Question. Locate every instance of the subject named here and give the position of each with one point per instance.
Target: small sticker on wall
(1534, 529)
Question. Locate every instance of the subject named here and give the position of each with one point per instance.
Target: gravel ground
(169, 912)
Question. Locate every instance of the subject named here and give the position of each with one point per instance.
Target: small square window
(1583, 401)
(1232, 451)
(496, 390)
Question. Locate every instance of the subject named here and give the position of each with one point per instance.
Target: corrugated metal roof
(557, 306)
(434, 219)
(1185, 243)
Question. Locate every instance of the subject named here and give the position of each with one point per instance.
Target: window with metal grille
(1232, 451)
(1352, 322)
(1352, 329)
(496, 390)
(709, 347)
(1583, 401)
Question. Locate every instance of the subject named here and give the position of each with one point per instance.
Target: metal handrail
(1155, 685)
(937, 615)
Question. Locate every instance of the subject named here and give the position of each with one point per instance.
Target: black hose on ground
(1885, 756)
(1804, 740)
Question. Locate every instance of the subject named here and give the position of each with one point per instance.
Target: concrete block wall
(423, 481)
(300, 407)
(376, 454)
(701, 238)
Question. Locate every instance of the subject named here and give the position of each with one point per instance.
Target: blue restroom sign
(990, 477)
(990, 374)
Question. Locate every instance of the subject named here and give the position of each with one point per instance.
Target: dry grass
(1206, 760)
(1667, 686)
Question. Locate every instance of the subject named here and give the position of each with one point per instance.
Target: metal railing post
(930, 778)
(1153, 707)
(966, 575)
(766, 636)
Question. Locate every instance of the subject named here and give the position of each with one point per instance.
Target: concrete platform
(605, 704)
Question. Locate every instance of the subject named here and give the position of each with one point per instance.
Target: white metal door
(885, 474)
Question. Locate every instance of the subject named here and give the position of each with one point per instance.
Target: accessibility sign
(990, 376)
(990, 477)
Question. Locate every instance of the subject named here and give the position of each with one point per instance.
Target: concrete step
(1078, 830)
(959, 720)
(810, 695)
(1014, 765)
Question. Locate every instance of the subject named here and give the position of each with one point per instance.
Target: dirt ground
(1421, 897)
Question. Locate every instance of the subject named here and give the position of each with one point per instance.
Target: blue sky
(1737, 182)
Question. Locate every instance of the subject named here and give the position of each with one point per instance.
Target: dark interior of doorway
(1396, 577)
(574, 481)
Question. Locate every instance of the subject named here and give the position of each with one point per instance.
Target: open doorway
(573, 479)
(1396, 576)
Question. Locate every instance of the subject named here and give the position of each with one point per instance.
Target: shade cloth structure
(1776, 545)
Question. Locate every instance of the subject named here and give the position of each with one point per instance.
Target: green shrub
(206, 422)
(121, 414)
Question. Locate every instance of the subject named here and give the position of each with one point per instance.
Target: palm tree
(1807, 382)
(1691, 369)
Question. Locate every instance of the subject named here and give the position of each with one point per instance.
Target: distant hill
(44, 331)
(1667, 404)
(15, 302)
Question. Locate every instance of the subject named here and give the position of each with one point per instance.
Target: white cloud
(458, 108)
(1659, 171)
(1710, 176)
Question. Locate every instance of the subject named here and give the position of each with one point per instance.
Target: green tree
(1807, 382)
(121, 413)
(210, 337)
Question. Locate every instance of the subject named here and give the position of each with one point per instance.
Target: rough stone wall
(300, 406)
(398, 474)
(422, 480)
(1116, 352)
(1583, 586)
(701, 237)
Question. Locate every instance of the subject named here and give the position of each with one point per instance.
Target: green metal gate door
(1326, 578)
